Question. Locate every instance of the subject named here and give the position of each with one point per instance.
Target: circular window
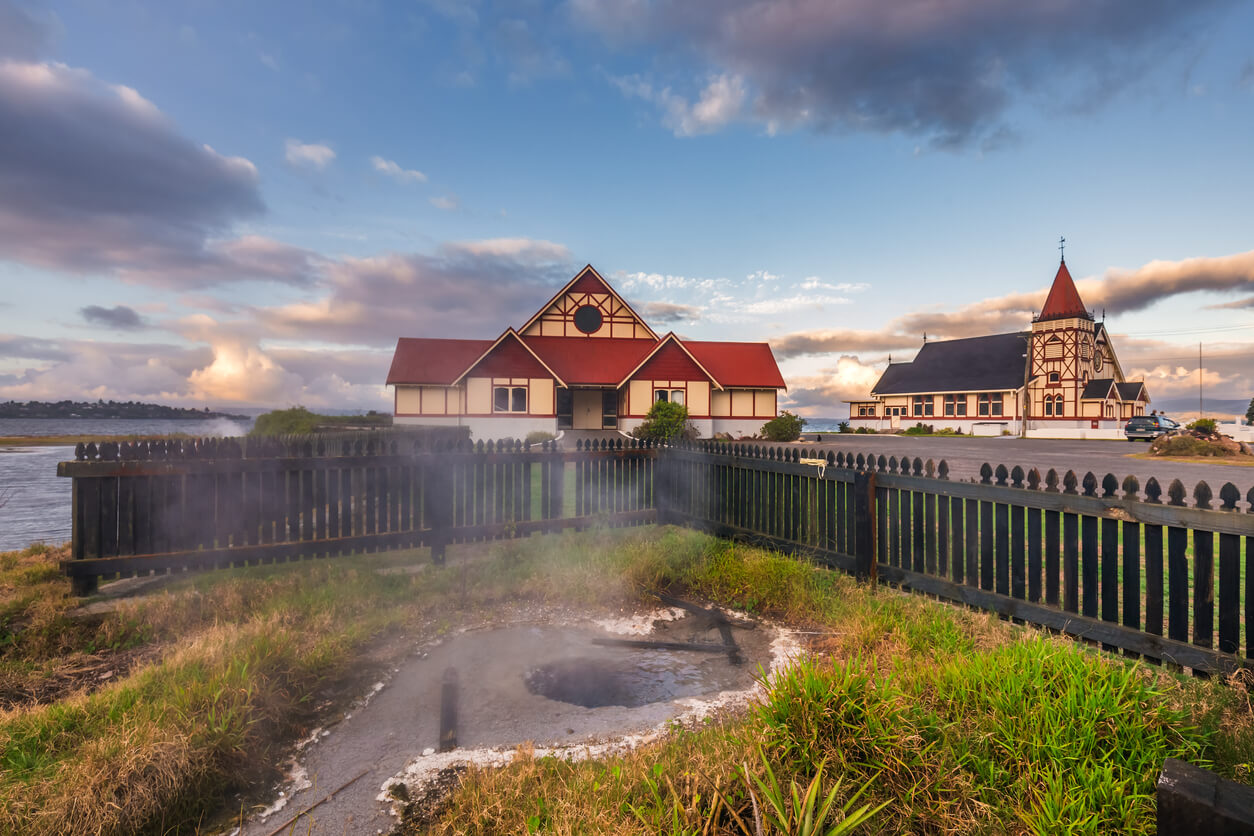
(1097, 361)
(588, 319)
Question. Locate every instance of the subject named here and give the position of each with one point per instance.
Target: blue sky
(246, 204)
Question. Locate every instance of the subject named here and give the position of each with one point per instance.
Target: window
(955, 404)
(997, 403)
(929, 406)
(565, 409)
(505, 399)
(609, 409)
(1049, 405)
(984, 401)
(918, 406)
(1097, 361)
(661, 395)
(1057, 404)
(1053, 377)
(677, 396)
(862, 411)
(1053, 348)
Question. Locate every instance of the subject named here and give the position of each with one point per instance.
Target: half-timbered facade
(585, 361)
(1062, 373)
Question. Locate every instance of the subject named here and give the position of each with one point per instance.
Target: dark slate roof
(976, 364)
(1097, 389)
(1132, 390)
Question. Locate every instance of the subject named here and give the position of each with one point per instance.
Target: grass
(926, 717)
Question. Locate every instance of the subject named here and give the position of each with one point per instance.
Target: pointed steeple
(1063, 301)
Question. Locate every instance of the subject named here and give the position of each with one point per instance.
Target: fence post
(864, 548)
(437, 492)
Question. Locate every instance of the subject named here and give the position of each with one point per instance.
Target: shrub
(921, 429)
(296, 420)
(666, 421)
(864, 431)
(843, 427)
(539, 437)
(784, 427)
(1203, 426)
(1185, 445)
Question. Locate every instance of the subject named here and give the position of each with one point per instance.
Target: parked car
(1149, 427)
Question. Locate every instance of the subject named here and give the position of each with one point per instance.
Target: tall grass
(955, 719)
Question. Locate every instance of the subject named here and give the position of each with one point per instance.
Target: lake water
(34, 503)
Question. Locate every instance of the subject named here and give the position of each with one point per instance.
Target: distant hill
(107, 409)
(1187, 407)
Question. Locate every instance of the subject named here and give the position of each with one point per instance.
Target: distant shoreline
(71, 440)
(109, 411)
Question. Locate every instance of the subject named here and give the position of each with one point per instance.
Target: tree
(784, 427)
(666, 421)
(1249, 413)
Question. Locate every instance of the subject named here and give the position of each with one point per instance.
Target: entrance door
(587, 409)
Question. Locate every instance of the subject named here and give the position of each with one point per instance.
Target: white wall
(737, 427)
(487, 429)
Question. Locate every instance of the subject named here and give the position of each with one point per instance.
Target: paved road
(965, 455)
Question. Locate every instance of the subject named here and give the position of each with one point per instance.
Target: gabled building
(585, 361)
(1065, 364)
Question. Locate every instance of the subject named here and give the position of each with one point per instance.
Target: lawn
(922, 716)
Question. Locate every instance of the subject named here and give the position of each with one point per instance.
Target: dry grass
(217, 672)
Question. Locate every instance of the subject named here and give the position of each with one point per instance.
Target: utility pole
(1200, 413)
(1027, 367)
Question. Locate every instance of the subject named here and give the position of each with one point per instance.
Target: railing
(1104, 560)
(188, 505)
(1091, 559)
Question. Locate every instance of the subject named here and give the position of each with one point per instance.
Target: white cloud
(721, 101)
(393, 170)
(448, 202)
(308, 155)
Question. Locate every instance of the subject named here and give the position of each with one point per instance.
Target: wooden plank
(1132, 576)
(1203, 588)
(1194, 800)
(987, 545)
(1154, 579)
(1035, 542)
(942, 536)
(1071, 562)
(1018, 553)
(108, 516)
(972, 515)
(1110, 570)
(895, 527)
(1088, 566)
(126, 517)
(89, 516)
(956, 532)
(1177, 584)
(917, 540)
(1229, 593)
(1053, 566)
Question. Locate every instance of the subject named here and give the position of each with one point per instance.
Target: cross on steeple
(1062, 242)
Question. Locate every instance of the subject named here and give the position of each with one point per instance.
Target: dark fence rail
(188, 505)
(1136, 570)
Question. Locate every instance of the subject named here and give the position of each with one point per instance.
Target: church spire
(1063, 301)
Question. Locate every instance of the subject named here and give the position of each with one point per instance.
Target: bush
(1186, 445)
(666, 421)
(1203, 426)
(921, 429)
(1249, 412)
(539, 437)
(297, 420)
(864, 431)
(784, 427)
(843, 426)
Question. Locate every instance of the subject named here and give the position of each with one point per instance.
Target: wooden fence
(1105, 560)
(1093, 559)
(201, 504)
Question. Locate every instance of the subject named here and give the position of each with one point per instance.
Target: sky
(232, 204)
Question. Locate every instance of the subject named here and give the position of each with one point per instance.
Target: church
(585, 361)
(1060, 379)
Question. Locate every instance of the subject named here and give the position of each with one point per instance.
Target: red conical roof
(1063, 300)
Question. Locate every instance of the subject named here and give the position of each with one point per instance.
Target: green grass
(943, 719)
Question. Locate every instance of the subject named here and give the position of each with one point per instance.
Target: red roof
(590, 361)
(738, 365)
(1063, 300)
(433, 362)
